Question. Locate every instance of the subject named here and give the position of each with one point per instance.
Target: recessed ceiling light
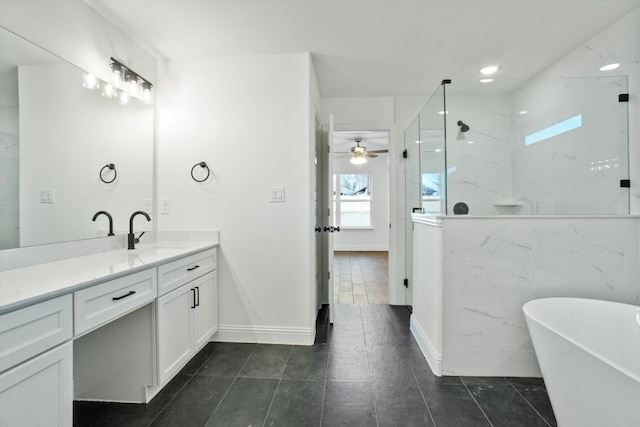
(609, 67)
(486, 80)
(523, 112)
(489, 70)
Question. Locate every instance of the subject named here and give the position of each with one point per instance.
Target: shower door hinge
(623, 97)
(406, 283)
(405, 153)
(625, 183)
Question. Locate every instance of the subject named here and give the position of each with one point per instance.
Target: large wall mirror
(56, 136)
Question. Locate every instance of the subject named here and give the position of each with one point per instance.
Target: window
(431, 193)
(553, 130)
(352, 200)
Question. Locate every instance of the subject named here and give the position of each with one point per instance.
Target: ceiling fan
(359, 154)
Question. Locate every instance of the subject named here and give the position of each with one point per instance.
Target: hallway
(361, 277)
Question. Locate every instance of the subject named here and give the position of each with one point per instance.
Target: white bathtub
(589, 353)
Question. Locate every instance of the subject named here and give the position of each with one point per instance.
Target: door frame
(396, 273)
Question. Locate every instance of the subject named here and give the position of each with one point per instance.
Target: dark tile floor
(366, 370)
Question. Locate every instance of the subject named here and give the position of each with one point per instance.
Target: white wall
(250, 119)
(376, 238)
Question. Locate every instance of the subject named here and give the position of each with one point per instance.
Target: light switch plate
(276, 194)
(47, 195)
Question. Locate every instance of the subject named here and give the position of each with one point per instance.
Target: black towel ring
(204, 166)
(112, 167)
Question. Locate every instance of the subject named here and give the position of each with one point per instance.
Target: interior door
(329, 195)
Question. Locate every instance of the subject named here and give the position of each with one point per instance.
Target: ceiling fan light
(358, 160)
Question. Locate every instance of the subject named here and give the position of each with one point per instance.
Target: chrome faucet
(108, 215)
(131, 238)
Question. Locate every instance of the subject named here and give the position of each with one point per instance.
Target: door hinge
(405, 153)
(406, 283)
(623, 97)
(625, 183)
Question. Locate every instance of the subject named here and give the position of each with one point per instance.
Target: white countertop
(29, 285)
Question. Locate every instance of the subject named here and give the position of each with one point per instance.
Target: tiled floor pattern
(361, 277)
(366, 370)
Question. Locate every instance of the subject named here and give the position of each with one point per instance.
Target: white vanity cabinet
(36, 360)
(106, 332)
(187, 316)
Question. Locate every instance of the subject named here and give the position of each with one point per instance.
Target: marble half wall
(492, 266)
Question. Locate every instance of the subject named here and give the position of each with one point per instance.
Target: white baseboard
(264, 334)
(359, 248)
(433, 358)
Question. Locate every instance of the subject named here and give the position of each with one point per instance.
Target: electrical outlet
(165, 206)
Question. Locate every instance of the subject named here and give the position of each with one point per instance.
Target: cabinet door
(175, 340)
(39, 392)
(205, 321)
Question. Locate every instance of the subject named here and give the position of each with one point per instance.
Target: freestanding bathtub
(589, 354)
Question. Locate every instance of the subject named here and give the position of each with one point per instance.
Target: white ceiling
(373, 47)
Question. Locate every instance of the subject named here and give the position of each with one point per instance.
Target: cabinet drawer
(108, 301)
(32, 330)
(175, 274)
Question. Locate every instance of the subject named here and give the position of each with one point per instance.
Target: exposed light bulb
(108, 91)
(146, 92)
(124, 98)
(90, 81)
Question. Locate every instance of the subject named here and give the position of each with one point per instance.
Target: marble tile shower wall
(479, 173)
(492, 266)
(577, 172)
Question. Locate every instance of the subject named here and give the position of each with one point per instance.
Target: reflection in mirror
(55, 137)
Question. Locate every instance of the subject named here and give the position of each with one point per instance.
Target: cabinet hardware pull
(198, 295)
(194, 297)
(124, 296)
(193, 268)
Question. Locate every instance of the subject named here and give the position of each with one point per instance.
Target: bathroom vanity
(112, 326)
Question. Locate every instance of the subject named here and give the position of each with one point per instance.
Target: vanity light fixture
(130, 83)
(609, 67)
